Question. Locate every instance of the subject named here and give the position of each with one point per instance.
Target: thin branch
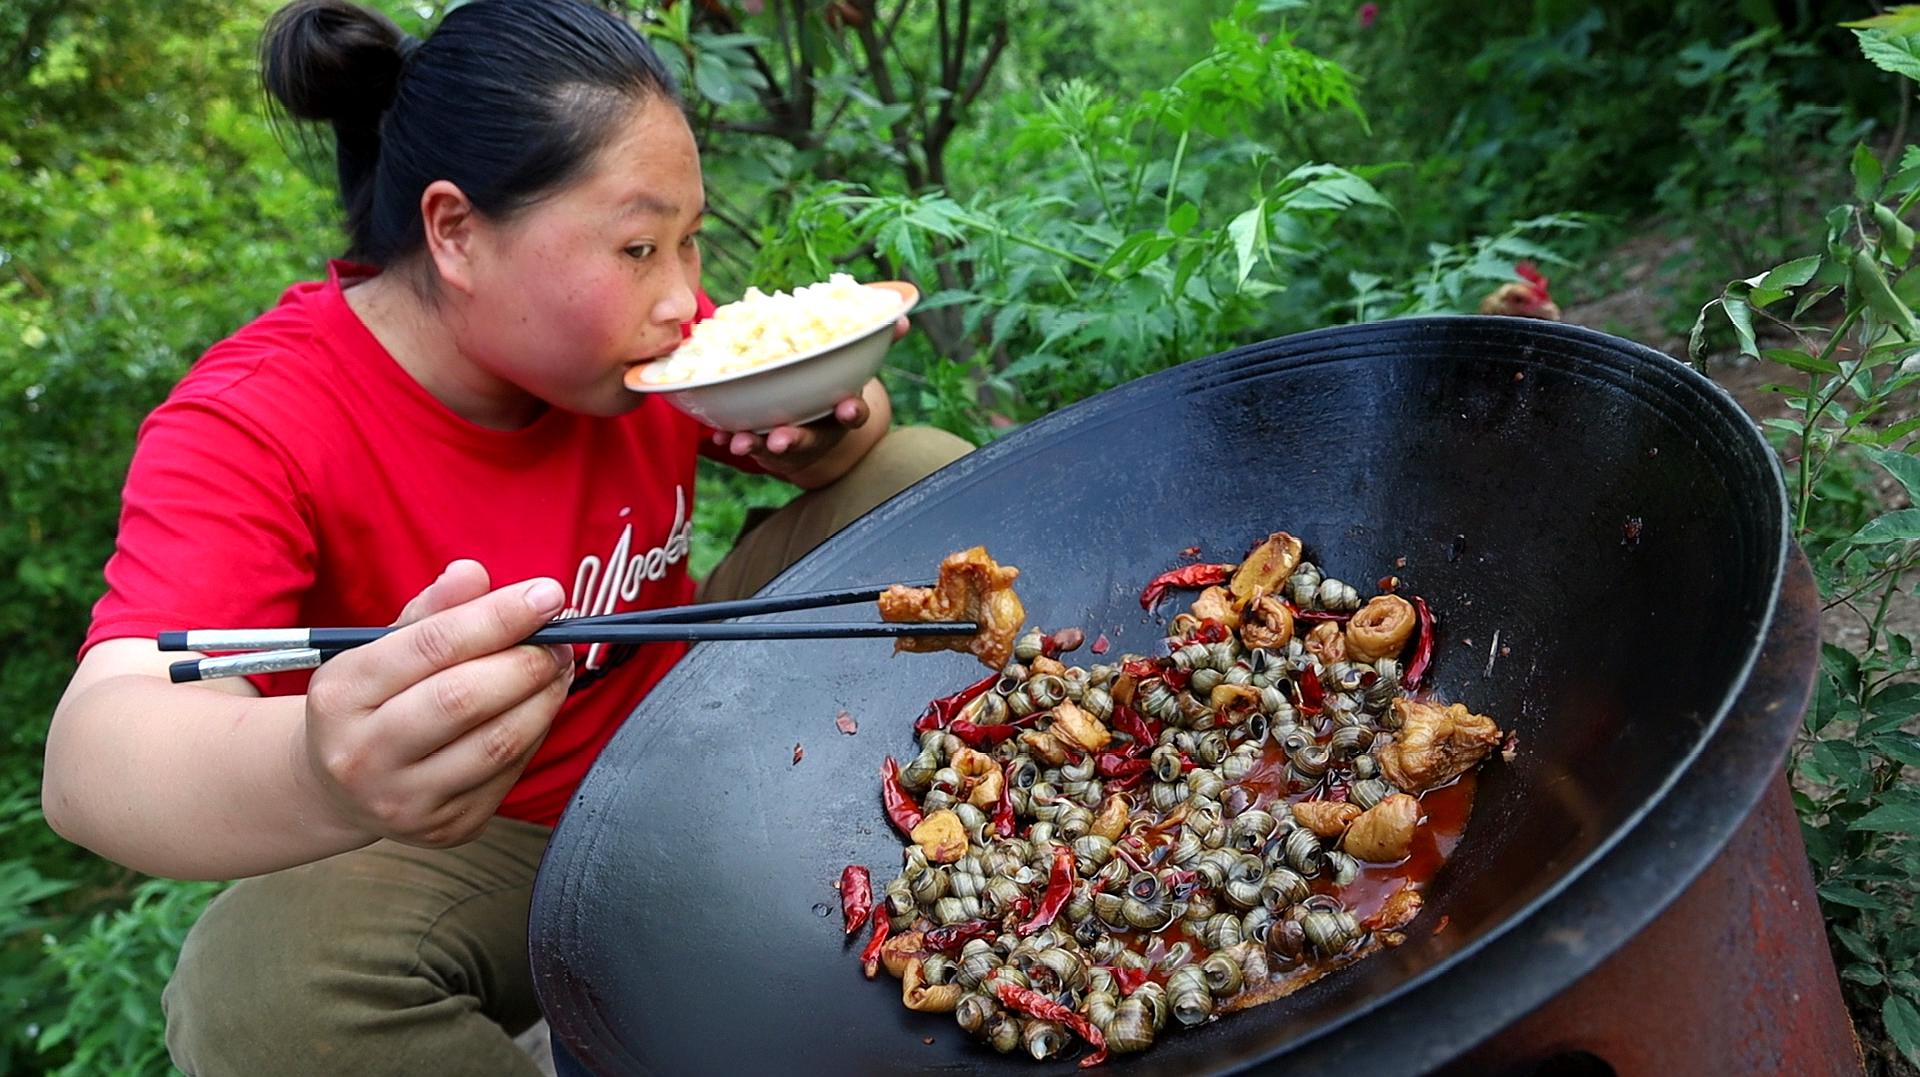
(934, 140)
(882, 77)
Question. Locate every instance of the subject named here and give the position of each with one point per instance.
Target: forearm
(854, 446)
(186, 781)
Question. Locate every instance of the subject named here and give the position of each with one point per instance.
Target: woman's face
(599, 276)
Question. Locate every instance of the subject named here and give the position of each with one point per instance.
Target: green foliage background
(1129, 186)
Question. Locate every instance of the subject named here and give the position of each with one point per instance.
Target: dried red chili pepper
(1210, 631)
(1144, 669)
(1313, 697)
(902, 810)
(1193, 576)
(856, 896)
(949, 939)
(1034, 1004)
(1059, 889)
(983, 736)
(1121, 785)
(1422, 647)
(1100, 644)
(1127, 979)
(870, 957)
(1003, 821)
(941, 711)
(1317, 616)
(1118, 764)
(1128, 721)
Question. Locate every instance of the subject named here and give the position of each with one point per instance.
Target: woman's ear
(448, 218)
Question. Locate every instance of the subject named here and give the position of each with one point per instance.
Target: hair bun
(333, 60)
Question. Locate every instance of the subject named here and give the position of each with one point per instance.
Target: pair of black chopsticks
(281, 650)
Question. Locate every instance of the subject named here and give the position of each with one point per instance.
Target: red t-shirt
(299, 476)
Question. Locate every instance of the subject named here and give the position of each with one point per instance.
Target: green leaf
(1863, 974)
(1899, 747)
(1780, 281)
(1870, 284)
(1800, 360)
(1890, 53)
(1183, 219)
(1890, 818)
(1895, 234)
(1903, 1025)
(1032, 363)
(1249, 232)
(1904, 19)
(1855, 942)
(1808, 299)
(1902, 525)
(1892, 707)
(1904, 466)
(1867, 173)
(1853, 897)
(1732, 303)
(1841, 664)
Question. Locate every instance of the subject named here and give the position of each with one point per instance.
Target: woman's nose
(678, 305)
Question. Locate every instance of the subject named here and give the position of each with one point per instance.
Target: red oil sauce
(1444, 816)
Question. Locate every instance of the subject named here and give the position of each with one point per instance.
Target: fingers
(816, 436)
(900, 327)
(852, 412)
(449, 704)
(490, 756)
(461, 581)
(482, 625)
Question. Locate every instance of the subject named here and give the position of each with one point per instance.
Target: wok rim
(575, 1018)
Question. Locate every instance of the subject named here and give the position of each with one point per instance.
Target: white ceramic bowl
(796, 389)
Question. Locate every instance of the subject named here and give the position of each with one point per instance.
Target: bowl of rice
(771, 360)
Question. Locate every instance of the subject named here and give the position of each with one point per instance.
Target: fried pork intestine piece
(1383, 834)
(1268, 623)
(1397, 911)
(971, 587)
(1435, 744)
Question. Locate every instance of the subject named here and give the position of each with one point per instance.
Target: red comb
(1531, 274)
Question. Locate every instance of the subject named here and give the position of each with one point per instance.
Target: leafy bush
(1850, 408)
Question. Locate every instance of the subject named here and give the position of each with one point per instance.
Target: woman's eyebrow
(644, 202)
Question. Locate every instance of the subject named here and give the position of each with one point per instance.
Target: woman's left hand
(816, 453)
(785, 448)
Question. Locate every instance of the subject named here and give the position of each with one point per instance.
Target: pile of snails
(1098, 852)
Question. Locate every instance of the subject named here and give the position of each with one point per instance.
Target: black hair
(507, 99)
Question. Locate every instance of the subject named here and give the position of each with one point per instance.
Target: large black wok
(1610, 514)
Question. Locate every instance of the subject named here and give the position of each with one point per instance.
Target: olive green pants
(398, 960)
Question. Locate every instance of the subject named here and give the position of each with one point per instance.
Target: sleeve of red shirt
(214, 531)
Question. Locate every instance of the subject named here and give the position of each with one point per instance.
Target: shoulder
(257, 389)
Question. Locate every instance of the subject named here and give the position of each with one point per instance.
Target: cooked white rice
(759, 328)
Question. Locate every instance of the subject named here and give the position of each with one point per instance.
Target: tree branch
(934, 139)
(877, 70)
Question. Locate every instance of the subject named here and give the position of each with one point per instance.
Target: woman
(443, 414)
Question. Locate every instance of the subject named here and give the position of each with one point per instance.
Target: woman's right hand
(418, 736)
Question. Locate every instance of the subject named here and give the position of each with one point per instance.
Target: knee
(910, 453)
(242, 993)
